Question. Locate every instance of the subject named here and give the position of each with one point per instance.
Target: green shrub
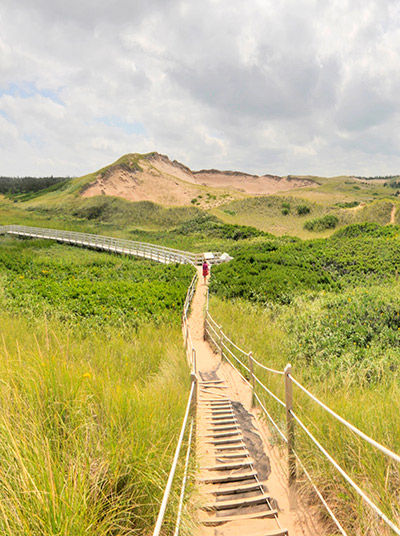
(303, 209)
(277, 270)
(321, 224)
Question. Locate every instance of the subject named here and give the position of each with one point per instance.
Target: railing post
(194, 366)
(186, 331)
(253, 385)
(290, 436)
(221, 338)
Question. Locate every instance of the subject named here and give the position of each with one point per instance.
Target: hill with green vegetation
(151, 192)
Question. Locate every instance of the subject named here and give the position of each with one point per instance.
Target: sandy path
(393, 215)
(268, 460)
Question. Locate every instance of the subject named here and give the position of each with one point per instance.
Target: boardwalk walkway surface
(242, 486)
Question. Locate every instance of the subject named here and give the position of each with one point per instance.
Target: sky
(283, 87)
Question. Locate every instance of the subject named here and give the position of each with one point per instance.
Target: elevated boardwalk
(145, 250)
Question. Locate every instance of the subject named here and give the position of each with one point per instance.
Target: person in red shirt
(206, 271)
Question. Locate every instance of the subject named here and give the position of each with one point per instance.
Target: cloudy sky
(262, 86)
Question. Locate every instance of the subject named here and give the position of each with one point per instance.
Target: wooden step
(276, 532)
(219, 411)
(238, 488)
(226, 441)
(211, 381)
(237, 503)
(228, 466)
(233, 455)
(220, 423)
(207, 405)
(213, 405)
(226, 433)
(240, 517)
(224, 427)
(221, 416)
(229, 447)
(221, 479)
(207, 386)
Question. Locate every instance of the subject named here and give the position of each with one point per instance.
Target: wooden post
(186, 331)
(290, 436)
(194, 366)
(221, 338)
(253, 385)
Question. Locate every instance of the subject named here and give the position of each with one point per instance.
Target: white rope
(269, 392)
(360, 492)
(237, 370)
(267, 368)
(371, 441)
(212, 339)
(184, 479)
(235, 345)
(270, 418)
(235, 357)
(167, 491)
(209, 317)
(320, 496)
(210, 326)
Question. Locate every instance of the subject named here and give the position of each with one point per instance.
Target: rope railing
(167, 491)
(228, 354)
(191, 357)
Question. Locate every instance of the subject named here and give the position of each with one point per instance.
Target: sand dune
(169, 182)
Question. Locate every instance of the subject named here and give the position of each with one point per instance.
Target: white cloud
(281, 87)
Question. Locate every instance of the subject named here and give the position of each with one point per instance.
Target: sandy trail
(233, 392)
(393, 215)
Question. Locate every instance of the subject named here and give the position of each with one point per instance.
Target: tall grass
(93, 386)
(87, 427)
(373, 406)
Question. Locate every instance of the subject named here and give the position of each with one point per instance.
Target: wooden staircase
(233, 496)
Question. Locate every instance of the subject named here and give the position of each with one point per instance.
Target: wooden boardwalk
(241, 490)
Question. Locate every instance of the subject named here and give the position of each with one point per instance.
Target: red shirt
(205, 269)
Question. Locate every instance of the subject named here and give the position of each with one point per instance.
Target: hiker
(206, 271)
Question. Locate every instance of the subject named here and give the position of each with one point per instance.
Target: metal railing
(235, 356)
(117, 245)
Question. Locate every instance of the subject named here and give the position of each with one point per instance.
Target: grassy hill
(169, 194)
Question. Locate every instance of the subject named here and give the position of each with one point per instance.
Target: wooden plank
(225, 433)
(221, 479)
(276, 532)
(237, 503)
(222, 448)
(233, 455)
(226, 421)
(224, 427)
(225, 441)
(221, 416)
(238, 488)
(240, 517)
(211, 381)
(228, 466)
(219, 411)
